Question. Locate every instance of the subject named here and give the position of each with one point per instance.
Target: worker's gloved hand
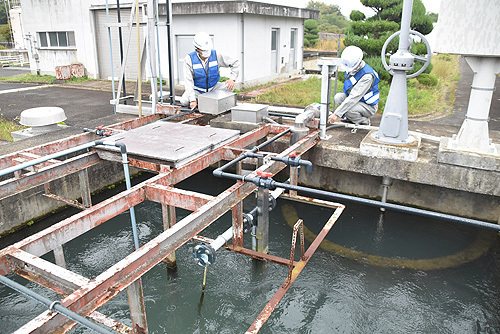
(193, 105)
(230, 84)
(333, 118)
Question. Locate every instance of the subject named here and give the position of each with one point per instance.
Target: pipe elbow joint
(122, 146)
(217, 173)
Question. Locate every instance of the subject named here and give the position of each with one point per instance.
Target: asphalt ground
(87, 104)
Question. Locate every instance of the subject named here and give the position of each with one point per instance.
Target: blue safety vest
(204, 79)
(372, 96)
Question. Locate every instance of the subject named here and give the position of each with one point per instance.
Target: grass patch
(421, 99)
(6, 127)
(34, 78)
(82, 79)
(326, 45)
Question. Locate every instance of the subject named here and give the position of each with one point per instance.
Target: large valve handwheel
(426, 60)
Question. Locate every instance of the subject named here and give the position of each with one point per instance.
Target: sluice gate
(158, 147)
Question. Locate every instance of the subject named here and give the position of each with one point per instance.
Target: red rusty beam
(45, 273)
(135, 123)
(74, 226)
(98, 291)
(59, 280)
(72, 141)
(178, 198)
(271, 305)
(118, 277)
(44, 175)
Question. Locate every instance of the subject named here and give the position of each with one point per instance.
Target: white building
(267, 39)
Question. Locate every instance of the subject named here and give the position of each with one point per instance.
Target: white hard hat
(351, 57)
(202, 41)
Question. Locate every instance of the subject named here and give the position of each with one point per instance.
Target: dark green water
(360, 289)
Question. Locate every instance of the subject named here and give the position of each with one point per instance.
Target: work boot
(365, 122)
(345, 120)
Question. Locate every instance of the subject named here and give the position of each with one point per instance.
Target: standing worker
(201, 70)
(360, 98)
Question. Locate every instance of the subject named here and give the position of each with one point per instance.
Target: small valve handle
(100, 127)
(293, 154)
(264, 174)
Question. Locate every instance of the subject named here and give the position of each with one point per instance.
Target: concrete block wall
(16, 211)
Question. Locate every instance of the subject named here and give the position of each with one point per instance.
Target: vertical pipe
(132, 210)
(157, 17)
(336, 74)
(170, 63)
(151, 54)
(237, 214)
(111, 56)
(294, 176)
(324, 100)
(169, 220)
(139, 74)
(243, 47)
(83, 175)
(263, 220)
(404, 39)
(120, 38)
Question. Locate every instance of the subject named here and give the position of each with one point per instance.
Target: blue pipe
(123, 150)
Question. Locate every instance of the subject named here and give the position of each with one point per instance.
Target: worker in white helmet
(202, 70)
(359, 99)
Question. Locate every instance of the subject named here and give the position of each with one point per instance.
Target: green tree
(3, 14)
(310, 32)
(5, 35)
(330, 17)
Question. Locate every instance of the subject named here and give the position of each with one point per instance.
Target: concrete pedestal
(450, 153)
(373, 148)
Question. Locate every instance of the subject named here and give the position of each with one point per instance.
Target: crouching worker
(359, 101)
(201, 70)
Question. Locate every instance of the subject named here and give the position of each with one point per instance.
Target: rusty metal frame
(85, 296)
(297, 268)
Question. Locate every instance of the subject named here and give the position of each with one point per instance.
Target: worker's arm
(362, 87)
(233, 65)
(189, 81)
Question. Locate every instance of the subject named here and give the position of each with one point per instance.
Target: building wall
(60, 16)
(87, 19)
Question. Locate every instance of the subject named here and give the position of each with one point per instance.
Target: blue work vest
(205, 79)
(372, 96)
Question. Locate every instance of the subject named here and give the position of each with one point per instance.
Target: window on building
(56, 39)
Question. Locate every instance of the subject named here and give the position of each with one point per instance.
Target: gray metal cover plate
(172, 144)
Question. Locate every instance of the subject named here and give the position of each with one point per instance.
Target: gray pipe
(45, 158)
(271, 184)
(54, 306)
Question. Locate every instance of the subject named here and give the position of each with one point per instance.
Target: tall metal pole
(394, 124)
(151, 14)
(170, 63)
(120, 38)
